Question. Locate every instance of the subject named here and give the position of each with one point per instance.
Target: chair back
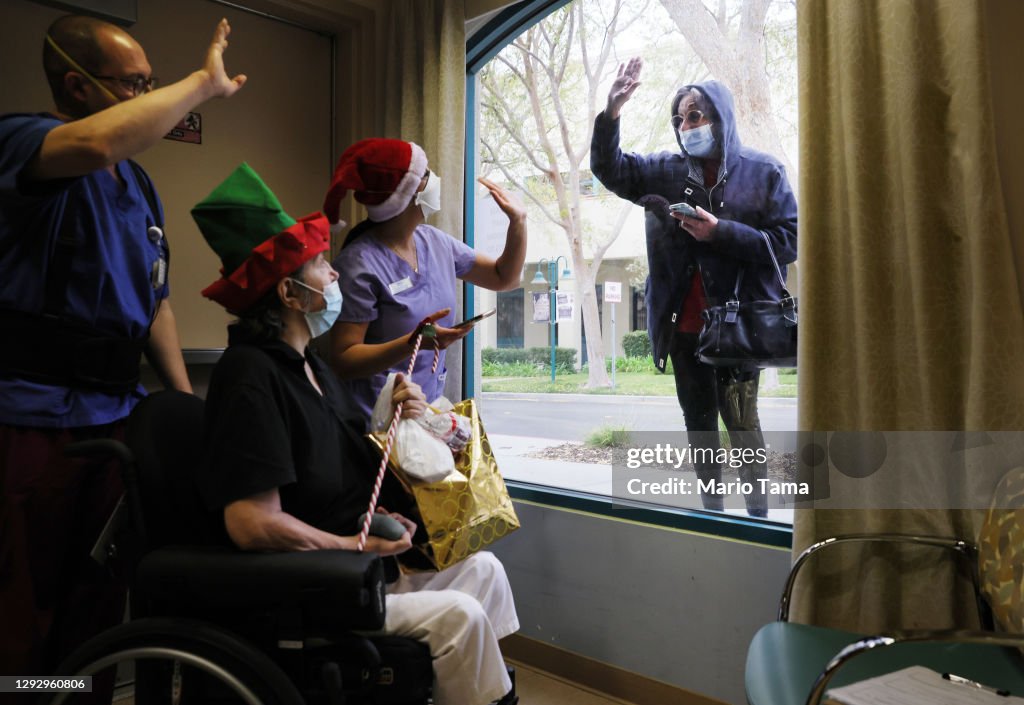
(165, 434)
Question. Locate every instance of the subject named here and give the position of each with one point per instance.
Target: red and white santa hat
(383, 173)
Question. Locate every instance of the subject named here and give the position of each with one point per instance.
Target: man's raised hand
(220, 85)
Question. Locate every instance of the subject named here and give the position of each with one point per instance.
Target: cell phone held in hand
(684, 208)
(475, 319)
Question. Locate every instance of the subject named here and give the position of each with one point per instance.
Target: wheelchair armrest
(100, 447)
(966, 550)
(333, 588)
(868, 644)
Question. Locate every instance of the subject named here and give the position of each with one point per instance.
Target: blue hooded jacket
(751, 196)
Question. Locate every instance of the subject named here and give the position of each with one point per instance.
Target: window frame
(485, 43)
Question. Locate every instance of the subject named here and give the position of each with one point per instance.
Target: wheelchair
(209, 623)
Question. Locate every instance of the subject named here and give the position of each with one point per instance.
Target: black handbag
(750, 333)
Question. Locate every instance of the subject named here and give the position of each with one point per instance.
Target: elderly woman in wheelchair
(287, 462)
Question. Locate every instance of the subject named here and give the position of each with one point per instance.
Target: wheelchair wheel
(183, 661)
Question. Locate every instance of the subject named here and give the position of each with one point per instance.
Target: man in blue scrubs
(83, 294)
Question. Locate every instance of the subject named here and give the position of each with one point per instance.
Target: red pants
(53, 596)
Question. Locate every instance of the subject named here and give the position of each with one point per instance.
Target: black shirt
(267, 427)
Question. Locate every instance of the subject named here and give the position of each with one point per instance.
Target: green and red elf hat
(257, 242)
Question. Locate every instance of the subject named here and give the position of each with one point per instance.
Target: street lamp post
(552, 282)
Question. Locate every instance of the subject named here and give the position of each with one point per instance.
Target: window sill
(712, 524)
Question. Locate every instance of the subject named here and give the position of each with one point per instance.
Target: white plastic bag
(420, 454)
(442, 422)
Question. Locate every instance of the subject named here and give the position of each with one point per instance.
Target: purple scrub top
(381, 288)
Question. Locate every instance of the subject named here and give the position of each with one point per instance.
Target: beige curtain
(416, 77)
(420, 96)
(423, 91)
(910, 294)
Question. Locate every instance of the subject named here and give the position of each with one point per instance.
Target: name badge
(399, 286)
(158, 275)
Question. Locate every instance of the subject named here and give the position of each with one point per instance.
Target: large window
(536, 99)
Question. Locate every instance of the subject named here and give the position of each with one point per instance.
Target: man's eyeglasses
(692, 117)
(137, 84)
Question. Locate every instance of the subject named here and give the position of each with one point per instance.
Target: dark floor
(534, 687)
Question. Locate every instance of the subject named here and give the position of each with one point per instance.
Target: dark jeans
(705, 392)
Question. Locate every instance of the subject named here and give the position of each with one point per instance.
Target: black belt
(57, 351)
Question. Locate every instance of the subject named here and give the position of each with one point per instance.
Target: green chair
(793, 664)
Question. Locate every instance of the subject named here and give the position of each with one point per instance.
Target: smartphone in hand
(684, 208)
(476, 319)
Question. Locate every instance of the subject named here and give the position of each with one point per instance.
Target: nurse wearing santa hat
(398, 272)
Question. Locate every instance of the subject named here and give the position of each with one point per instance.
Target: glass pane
(590, 251)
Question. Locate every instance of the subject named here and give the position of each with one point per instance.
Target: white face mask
(320, 322)
(429, 199)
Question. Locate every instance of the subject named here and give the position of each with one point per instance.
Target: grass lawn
(629, 383)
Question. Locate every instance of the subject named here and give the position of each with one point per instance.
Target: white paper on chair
(917, 685)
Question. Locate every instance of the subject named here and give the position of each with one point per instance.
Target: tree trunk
(586, 293)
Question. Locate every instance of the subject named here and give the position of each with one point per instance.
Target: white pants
(459, 613)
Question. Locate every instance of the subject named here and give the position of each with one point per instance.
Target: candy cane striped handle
(365, 531)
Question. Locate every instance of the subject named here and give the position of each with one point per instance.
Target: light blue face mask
(698, 142)
(320, 322)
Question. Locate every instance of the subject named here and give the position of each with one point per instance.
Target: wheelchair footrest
(384, 670)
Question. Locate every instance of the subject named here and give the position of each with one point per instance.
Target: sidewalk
(618, 398)
(511, 453)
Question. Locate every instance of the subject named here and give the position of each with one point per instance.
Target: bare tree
(545, 139)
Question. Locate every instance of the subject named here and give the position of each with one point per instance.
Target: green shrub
(636, 344)
(502, 355)
(565, 358)
(608, 437)
(512, 369)
(631, 364)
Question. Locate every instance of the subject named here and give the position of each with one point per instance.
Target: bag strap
(787, 301)
(778, 270)
(732, 307)
(424, 330)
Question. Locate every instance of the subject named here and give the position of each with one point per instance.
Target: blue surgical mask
(320, 322)
(698, 142)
